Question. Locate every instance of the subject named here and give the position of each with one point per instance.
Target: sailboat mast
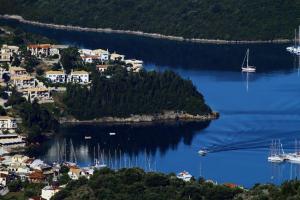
(299, 36)
(247, 58)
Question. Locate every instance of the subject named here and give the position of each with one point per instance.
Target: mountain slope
(213, 19)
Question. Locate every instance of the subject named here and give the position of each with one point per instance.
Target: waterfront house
(17, 71)
(75, 173)
(102, 54)
(117, 57)
(6, 52)
(23, 81)
(7, 123)
(56, 76)
(135, 65)
(49, 191)
(39, 50)
(81, 77)
(39, 93)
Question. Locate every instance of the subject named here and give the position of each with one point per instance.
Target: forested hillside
(213, 19)
(133, 93)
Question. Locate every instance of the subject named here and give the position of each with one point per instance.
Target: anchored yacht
(247, 68)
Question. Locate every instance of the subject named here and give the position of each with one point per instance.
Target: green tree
(70, 58)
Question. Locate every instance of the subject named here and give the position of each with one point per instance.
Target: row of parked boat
(296, 47)
(278, 155)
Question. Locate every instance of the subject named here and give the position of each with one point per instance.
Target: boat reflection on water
(133, 146)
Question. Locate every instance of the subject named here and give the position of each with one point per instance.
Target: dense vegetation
(135, 184)
(119, 93)
(36, 119)
(227, 19)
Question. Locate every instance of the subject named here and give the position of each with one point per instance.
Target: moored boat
(186, 176)
(247, 67)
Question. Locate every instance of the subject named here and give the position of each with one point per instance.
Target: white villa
(39, 93)
(49, 191)
(23, 81)
(79, 77)
(56, 76)
(7, 123)
(7, 52)
(39, 50)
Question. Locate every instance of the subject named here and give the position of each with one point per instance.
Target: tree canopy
(226, 19)
(119, 93)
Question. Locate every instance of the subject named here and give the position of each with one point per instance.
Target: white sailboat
(276, 152)
(247, 68)
(294, 157)
(296, 48)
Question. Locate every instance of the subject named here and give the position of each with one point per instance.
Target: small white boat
(202, 152)
(247, 68)
(275, 159)
(186, 176)
(87, 137)
(112, 134)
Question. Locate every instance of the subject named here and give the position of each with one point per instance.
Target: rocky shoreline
(140, 33)
(163, 117)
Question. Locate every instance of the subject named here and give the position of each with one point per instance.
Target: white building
(83, 52)
(136, 65)
(117, 57)
(39, 93)
(49, 191)
(7, 52)
(23, 81)
(56, 76)
(79, 77)
(102, 54)
(17, 71)
(39, 50)
(7, 123)
(75, 173)
(56, 49)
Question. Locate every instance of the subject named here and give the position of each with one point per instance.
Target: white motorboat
(202, 152)
(247, 67)
(112, 134)
(275, 158)
(186, 176)
(87, 137)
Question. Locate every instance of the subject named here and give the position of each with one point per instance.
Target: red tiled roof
(39, 46)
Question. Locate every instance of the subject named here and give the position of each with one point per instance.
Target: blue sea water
(254, 109)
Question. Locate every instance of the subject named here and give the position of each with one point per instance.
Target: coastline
(139, 33)
(140, 119)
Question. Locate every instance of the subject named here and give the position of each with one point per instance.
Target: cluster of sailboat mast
(278, 155)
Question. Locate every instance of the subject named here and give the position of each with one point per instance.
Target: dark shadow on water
(130, 139)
